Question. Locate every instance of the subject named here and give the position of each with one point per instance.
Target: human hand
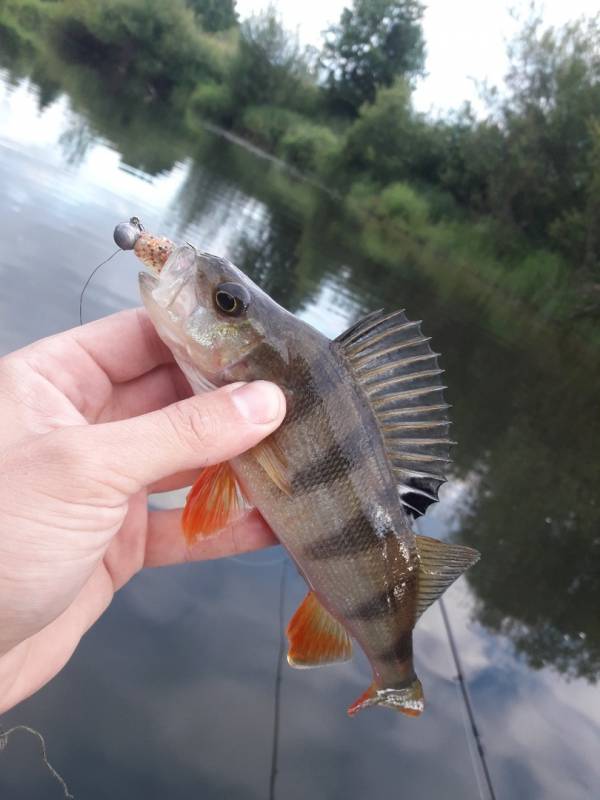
(91, 422)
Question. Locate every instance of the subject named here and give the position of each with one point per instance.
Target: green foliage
(372, 140)
(514, 198)
(268, 124)
(270, 66)
(142, 41)
(543, 184)
(398, 206)
(389, 141)
(212, 100)
(214, 15)
(375, 42)
(309, 147)
(21, 27)
(400, 202)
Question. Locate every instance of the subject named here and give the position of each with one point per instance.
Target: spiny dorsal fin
(396, 367)
(315, 637)
(441, 564)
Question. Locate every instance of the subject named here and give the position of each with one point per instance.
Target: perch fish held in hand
(361, 452)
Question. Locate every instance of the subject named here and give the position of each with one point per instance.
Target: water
(171, 693)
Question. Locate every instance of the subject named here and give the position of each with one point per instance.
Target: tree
(215, 15)
(270, 66)
(545, 185)
(375, 42)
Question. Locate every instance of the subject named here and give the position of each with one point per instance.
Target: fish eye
(232, 299)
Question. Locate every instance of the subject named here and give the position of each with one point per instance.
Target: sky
(466, 39)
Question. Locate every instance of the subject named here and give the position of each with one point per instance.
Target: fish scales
(360, 452)
(343, 524)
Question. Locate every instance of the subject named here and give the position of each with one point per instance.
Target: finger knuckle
(194, 427)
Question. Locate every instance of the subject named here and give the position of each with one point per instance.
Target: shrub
(309, 147)
(268, 124)
(399, 202)
(212, 100)
(389, 141)
(156, 43)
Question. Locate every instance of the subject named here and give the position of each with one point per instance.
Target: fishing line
(4, 742)
(277, 702)
(467, 701)
(87, 283)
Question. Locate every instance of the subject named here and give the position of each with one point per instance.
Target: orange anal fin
(315, 637)
(213, 501)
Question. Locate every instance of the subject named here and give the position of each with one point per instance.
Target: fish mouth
(147, 284)
(170, 294)
(170, 298)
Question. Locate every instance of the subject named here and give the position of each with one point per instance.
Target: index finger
(124, 345)
(165, 543)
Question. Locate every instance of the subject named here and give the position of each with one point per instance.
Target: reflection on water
(171, 693)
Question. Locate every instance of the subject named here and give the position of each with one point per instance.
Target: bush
(389, 141)
(267, 125)
(212, 100)
(399, 202)
(396, 206)
(155, 43)
(309, 147)
(539, 277)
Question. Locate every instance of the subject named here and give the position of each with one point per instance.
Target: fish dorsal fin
(440, 565)
(397, 369)
(214, 501)
(315, 637)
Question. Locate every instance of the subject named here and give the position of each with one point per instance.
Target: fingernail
(258, 402)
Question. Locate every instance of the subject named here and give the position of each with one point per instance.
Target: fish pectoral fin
(441, 564)
(315, 637)
(273, 461)
(214, 500)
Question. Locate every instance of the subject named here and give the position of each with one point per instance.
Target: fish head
(214, 319)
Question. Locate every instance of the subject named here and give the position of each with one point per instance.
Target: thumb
(198, 431)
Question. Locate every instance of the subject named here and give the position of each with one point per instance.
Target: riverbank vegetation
(510, 198)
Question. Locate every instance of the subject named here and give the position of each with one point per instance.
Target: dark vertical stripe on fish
(305, 396)
(357, 536)
(401, 650)
(334, 463)
(387, 602)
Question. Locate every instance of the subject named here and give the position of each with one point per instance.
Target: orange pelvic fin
(214, 500)
(315, 637)
(408, 700)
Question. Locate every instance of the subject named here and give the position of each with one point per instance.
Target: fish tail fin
(407, 699)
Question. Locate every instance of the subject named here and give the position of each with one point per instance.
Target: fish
(361, 454)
